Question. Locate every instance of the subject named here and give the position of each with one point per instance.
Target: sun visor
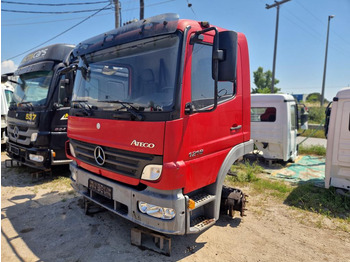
(41, 66)
(153, 26)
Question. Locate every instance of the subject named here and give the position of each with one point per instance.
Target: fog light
(151, 172)
(71, 148)
(156, 211)
(33, 137)
(36, 158)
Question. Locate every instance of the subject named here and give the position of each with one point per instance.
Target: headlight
(151, 172)
(71, 148)
(156, 211)
(33, 137)
(36, 158)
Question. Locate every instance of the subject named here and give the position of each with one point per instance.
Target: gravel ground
(44, 221)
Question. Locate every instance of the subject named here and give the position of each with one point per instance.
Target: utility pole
(116, 13)
(276, 4)
(325, 62)
(142, 9)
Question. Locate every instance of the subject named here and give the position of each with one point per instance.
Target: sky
(301, 35)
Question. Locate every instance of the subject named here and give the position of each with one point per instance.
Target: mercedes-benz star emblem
(99, 156)
(16, 132)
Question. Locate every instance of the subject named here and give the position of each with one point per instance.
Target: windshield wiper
(28, 104)
(128, 106)
(85, 106)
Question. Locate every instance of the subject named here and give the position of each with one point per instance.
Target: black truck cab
(38, 113)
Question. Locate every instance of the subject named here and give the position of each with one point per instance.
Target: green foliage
(277, 189)
(246, 172)
(315, 97)
(316, 134)
(320, 200)
(316, 114)
(263, 80)
(312, 150)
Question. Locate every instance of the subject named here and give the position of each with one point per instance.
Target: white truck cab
(274, 125)
(6, 96)
(337, 173)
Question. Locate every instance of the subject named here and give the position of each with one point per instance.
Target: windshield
(33, 88)
(141, 75)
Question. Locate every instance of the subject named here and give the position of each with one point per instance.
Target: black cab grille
(123, 162)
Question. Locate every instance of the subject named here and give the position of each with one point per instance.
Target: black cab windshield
(141, 74)
(33, 88)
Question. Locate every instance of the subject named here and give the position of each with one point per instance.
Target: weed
(312, 150)
(245, 172)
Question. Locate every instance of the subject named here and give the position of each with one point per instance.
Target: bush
(316, 114)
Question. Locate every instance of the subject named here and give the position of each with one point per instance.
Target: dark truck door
(60, 116)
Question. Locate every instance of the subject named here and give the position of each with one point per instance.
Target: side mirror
(68, 69)
(227, 56)
(4, 79)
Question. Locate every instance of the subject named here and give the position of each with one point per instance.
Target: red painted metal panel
(118, 134)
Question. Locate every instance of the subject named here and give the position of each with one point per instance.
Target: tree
(315, 97)
(263, 80)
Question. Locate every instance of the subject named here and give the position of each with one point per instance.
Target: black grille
(123, 162)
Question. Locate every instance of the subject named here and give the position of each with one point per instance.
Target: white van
(6, 97)
(274, 119)
(337, 172)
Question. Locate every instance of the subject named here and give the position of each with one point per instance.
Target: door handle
(235, 127)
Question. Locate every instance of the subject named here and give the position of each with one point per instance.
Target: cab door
(209, 135)
(60, 115)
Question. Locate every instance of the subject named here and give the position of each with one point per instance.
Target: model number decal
(30, 116)
(196, 153)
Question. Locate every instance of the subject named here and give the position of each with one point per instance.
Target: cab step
(202, 199)
(201, 223)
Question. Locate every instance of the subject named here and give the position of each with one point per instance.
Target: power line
(320, 20)
(54, 21)
(24, 3)
(56, 13)
(65, 31)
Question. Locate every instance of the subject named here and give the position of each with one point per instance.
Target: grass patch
(320, 200)
(245, 172)
(312, 150)
(276, 188)
(312, 133)
(305, 197)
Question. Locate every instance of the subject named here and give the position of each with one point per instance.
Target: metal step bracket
(147, 239)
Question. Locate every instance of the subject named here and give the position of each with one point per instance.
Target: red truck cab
(160, 112)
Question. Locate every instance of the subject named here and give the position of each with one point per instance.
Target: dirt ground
(44, 221)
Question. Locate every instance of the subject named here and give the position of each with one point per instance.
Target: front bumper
(21, 154)
(125, 200)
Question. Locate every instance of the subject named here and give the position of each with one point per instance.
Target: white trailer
(274, 125)
(337, 173)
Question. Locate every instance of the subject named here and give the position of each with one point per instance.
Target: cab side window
(201, 79)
